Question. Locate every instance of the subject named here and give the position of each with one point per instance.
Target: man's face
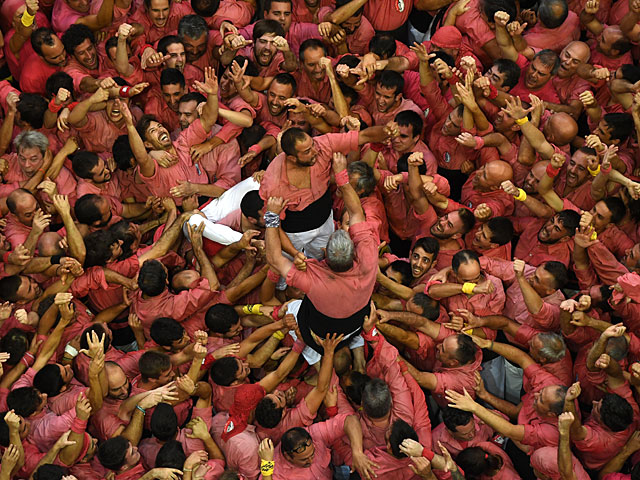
(165, 377)
(386, 98)
(542, 281)
(603, 131)
(306, 152)
(132, 456)
(281, 13)
(577, 172)
(157, 137)
(234, 331)
(114, 109)
(420, 261)
(276, 95)
(570, 59)
(503, 122)
(537, 75)
(194, 48)
(100, 173)
(66, 373)
(187, 113)
(482, 239)
(311, 63)
(405, 141)
(609, 37)
(552, 231)
(172, 94)
(351, 24)
(105, 214)
(543, 400)
(483, 180)
(243, 370)
(469, 272)
(30, 160)
(178, 57)
(298, 120)
(265, 49)
(451, 126)
(465, 433)
(26, 209)
(87, 55)
(81, 6)
(447, 226)
(303, 455)
(601, 216)
(227, 87)
(158, 12)
(119, 385)
(531, 181)
(495, 78)
(446, 351)
(178, 345)
(54, 54)
(28, 290)
(632, 257)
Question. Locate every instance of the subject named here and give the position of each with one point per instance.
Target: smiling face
(281, 13)
(277, 93)
(420, 261)
(265, 49)
(311, 63)
(114, 109)
(194, 48)
(177, 55)
(482, 239)
(577, 172)
(157, 137)
(86, 54)
(447, 226)
(158, 12)
(172, 94)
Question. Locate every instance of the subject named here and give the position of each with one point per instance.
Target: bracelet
(594, 236)
(278, 335)
(522, 121)
(27, 18)
(271, 220)
(342, 178)
(252, 309)
(467, 287)
(124, 92)
(266, 467)
(72, 105)
(606, 171)
(144, 412)
(41, 170)
(5, 257)
(53, 106)
(522, 195)
(479, 143)
(27, 359)
(255, 148)
(595, 172)
(493, 92)
(552, 172)
(273, 276)
(187, 469)
(71, 351)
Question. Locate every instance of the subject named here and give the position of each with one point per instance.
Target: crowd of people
(319, 239)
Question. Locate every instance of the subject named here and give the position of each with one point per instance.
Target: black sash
(311, 217)
(309, 318)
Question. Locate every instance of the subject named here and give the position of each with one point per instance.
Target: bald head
(23, 205)
(571, 57)
(530, 184)
(491, 175)
(561, 129)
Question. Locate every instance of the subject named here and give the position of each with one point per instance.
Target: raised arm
(280, 264)
(209, 88)
(206, 270)
(545, 186)
(349, 195)
(143, 159)
(505, 42)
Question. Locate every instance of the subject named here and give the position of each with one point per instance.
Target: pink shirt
(323, 434)
(78, 72)
(534, 252)
(301, 13)
(569, 89)
(63, 16)
(237, 12)
(276, 183)
(358, 41)
(156, 106)
(153, 33)
(382, 118)
(501, 203)
(298, 416)
(332, 292)
(472, 25)
(163, 179)
(320, 92)
(35, 72)
(554, 38)
(99, 133)
(546, 93)
(221, 165)
(483, 434)
(538, 431)
(110, 190)
(385, 15)
(241, 451)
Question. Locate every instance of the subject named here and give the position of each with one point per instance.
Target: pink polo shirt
(382, 118)
(221, 165)
(110, 190)
(472, 25)
(15, 232)
(555, 39)
(538, 431)
(161, 182)
(546, 93)
(35, 72)
(569, 89)
(241, 451)
(276, 183)
(298, 416)
(99, 133)
(63, 16)
(237, 12)
(483, 434)
(156, 106)
(385, 16)
(300, 12)
(358, 41)
(534, 252)
(151, 32)
(320, 92)
(332, 292)
(579, 196)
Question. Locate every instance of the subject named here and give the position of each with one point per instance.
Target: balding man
(483, 188)
(24, 215)
(556, 26)
(568, 84)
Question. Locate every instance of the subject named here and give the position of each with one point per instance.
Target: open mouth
(163, 137)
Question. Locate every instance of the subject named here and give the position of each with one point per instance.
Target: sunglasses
(302, 447)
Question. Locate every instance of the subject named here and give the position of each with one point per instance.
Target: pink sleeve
(501, 206)
(5, 89)
(503, 269)
(93, 279)
(25, 380)
(548, 316)
(438, 104)
(271, 128)
(51, 427)
(421, 422)
(228, 132)
(188, 302)
(605, 263)
(243, 457)
(330, 430)
(524, 334)
(540, 435)
(129, 363)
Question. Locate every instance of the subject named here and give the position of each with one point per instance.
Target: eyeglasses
(302, 447)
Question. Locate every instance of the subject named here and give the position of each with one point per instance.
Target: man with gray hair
(33, 162)
(350, 266)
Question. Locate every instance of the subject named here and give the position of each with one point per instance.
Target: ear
(147, 145)
(493, 245)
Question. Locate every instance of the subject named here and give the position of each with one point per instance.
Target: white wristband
(71, 351)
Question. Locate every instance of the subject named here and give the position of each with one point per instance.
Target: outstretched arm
(275, 258)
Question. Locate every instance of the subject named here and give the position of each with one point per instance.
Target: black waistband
(311, 217)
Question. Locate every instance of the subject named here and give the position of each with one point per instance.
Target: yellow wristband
(278, 335)
(522, 121)
(467, 287)
(594, 236)
(252, 309)
(27, 18)
(266, 467)
(595, 172)
(522, 195)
